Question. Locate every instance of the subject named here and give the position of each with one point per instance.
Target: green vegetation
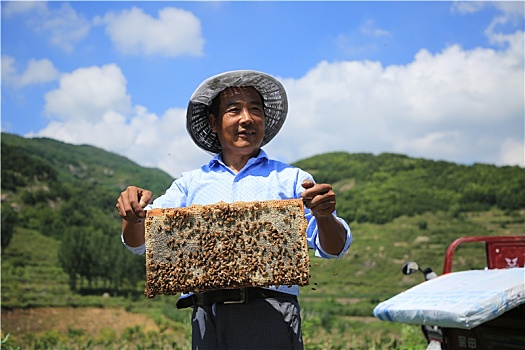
(381, 188)
(61, 246)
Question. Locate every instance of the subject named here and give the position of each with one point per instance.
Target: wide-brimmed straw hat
(274, 99)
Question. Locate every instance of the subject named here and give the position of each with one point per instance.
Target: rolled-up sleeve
(140, 250)
(312, 235)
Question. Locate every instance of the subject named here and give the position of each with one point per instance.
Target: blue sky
(433, 79)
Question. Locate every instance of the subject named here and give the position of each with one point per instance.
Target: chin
(248, 147)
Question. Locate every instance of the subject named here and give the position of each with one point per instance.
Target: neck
(236, 161)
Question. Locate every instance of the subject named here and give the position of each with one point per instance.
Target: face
(240, 121)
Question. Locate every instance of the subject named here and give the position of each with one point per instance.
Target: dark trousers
(266, 324)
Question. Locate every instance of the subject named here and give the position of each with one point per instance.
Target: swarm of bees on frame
(241, 244)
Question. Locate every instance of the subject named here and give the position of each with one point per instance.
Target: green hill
(60, 242)
(25, 158)
(381, 188)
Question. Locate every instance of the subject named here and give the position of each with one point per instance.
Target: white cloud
(467, 6)
(12, 8)
(350, 44)
(65, 27)
(36, 72)
(62, 25)
(175, 32)
(87, 94)
(39, 71)
(369, 28)
(510, 8)
(513, 8)
(9, 72)
(511, 12)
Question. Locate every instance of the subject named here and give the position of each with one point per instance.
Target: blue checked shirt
(260, 179)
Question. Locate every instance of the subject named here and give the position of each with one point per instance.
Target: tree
(92, 255)
(9, 220)
(78, 254)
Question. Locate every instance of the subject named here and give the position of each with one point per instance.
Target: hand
(131, 203)
(319, 198)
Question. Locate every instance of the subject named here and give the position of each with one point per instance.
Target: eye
(257, 110)
(233, 111)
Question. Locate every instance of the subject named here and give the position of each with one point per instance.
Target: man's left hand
(319, 198)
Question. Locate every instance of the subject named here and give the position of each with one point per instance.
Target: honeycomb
(220, 246)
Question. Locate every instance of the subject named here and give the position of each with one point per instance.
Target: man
(233, 115)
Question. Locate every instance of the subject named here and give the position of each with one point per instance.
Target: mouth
(246, 132)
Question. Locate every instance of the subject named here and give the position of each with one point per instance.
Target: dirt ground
(91, 320)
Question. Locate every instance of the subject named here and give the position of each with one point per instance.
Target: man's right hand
(131, 203)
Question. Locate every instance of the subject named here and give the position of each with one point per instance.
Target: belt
(229, 296)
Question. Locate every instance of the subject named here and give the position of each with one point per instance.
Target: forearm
(133, 233)
(332, 234)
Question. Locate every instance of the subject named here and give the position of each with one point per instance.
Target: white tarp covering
(463, 299)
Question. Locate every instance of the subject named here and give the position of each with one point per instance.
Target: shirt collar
(217, 160)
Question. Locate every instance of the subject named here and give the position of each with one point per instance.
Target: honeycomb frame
(226, 245)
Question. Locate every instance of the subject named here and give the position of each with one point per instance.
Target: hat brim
(274, 99)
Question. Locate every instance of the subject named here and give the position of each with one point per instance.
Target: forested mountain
(69, 192)
(381, 188)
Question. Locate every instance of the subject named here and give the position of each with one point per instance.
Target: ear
(213, 122)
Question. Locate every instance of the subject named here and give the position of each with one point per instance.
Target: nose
(246, 116)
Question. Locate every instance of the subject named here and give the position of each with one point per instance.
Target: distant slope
(53, 186)
(81, 163)
(381, 188)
